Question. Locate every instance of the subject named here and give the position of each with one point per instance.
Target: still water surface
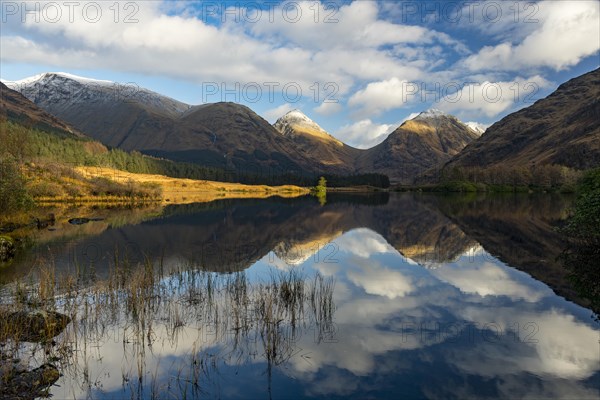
(379, 296)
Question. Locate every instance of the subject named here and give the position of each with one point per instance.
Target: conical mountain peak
(295, 123)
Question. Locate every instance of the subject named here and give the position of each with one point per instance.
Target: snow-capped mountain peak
(15, 85)
(53, 88)
(295, 123)
(432, 113)
(298, 117)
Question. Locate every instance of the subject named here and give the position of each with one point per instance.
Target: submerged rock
(10, 227)
(42, 223)
(7, 248)
(81, 221)
(17, 383)
(32, 326)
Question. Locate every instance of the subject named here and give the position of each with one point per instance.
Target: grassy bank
(50, 167)
(182, 191)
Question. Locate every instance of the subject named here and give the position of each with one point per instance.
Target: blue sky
(358, 68)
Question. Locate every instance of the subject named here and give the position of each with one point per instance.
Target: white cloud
(364, 133)
(381, 96)
(348, 26)
(492, 98)
(328, 108)
(381, 281)
(487, 279)
(368, 56)
(187, 47)
(566, 33)
(363, 242)
(563, 346)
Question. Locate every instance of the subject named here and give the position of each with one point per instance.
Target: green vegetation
(549, 178)
(320, 191)
(13, 196)
(582, 256)
(64, 150)
(38, 165)
(372, 179)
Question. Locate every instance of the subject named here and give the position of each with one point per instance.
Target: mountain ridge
(16, 107)
(561, 128)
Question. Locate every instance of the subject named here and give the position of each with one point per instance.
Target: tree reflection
(582, 255)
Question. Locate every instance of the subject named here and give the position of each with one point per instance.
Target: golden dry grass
(322, 135)
(183, 191)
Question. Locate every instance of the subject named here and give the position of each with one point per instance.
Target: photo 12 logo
(470, 92)
(54, 12)
(471, 332)
(253, 92)
(270, 11)
(469, 12)
(208, 11)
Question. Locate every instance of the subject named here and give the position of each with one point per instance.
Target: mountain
(314, 142)
(50, 90)
(237, 135)
(232, 136)
(431, 138)
(563, 128)
(296, 124)
(114, 114)
(224, 135)
(16, 107)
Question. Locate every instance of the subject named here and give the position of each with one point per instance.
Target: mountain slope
(51, 89)
(315, 143)
(222, 135)
(116, 115)
(16, 107)
(423, 142)
(242, 138)
(563, 128)
(231, 136)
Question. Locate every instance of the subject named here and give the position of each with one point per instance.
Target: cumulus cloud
(566, 33)
(381, 96)
(327, 108)
(492, 98)
(185, 45)
(364, 243)
(380, 281)
(373, 60)
(328, 26)
(364, 133)
(487, 279)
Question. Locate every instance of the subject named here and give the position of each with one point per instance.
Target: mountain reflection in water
(386, 296)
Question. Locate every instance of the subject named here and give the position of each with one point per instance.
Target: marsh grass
(142, 306)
